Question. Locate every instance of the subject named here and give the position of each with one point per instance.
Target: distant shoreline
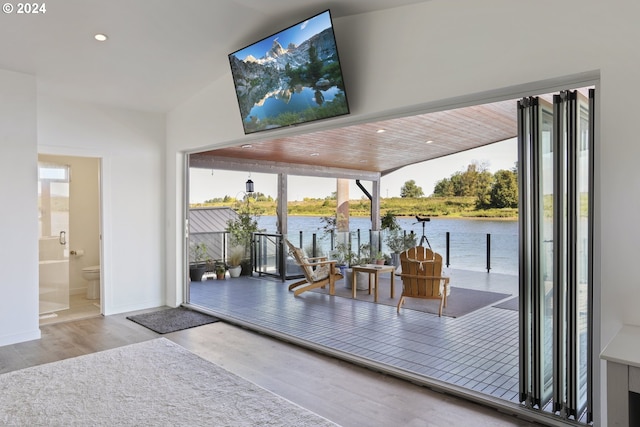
(433, 217)
(434, 207)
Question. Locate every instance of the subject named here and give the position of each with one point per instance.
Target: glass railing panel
(267, 253)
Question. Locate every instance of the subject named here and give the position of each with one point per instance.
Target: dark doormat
(172, 319)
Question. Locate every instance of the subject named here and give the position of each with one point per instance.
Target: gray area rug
(154, 383)
(510, 304)
(172, 319)
(461, 301)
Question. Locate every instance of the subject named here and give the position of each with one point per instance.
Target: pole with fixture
(249, 185)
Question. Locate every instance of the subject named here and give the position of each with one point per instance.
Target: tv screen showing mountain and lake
(290, 78)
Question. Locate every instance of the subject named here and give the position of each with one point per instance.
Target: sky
(295, 34)
(207, 184)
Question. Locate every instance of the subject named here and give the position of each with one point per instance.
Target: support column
(375, 206)
(342, 211)
(282, 223)
(376, 236)
(281, 208)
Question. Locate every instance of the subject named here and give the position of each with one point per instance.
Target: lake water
(299, 100)
(467, 241)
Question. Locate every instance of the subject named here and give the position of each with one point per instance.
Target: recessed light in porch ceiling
(101, 37)
(314, 154)
(246, 146)
(428, 142)
(380, 131)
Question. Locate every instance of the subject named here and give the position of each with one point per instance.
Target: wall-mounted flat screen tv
(290, 78)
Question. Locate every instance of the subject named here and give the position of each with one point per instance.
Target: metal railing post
(314, 242)
(448, 246)
(488, 252)
(282, 258)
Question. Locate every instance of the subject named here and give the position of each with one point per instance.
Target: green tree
(443, 188)
(261, 197)
(389, 221)
(411, 190)
(484, 183)
(472, 179)
(214, 200)
(457, 182)
(242, 227)
(315, 65)
(504, 193)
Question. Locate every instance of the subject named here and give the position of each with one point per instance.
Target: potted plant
(380, 258)
(398, 241)
(197, 265)
(346, 259)
(220, 270)
(241, 231)
(211, 268)
(236, 255)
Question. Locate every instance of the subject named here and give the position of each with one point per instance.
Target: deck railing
(464, 251)
(471, 251)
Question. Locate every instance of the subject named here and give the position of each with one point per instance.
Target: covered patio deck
(475, 355)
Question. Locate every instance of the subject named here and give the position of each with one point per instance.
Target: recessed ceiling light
(315, 154)
(364, 161)
(380, 131)
(101, 37)
(429, 142)
(246, 146)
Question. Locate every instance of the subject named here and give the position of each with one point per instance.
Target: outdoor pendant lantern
(249, 186)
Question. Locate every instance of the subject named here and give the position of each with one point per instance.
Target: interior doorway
(69, 238)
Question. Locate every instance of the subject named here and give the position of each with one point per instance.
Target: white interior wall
(19, 214)
(131, 147)
(438, 53)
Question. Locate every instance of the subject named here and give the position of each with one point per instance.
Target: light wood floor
(342, 392)
(79, 308)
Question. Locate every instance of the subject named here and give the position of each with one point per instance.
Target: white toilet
(92, 275)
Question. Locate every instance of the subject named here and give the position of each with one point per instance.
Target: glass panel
(545, 286)
(267, 253)
(53, 225)
(582, 262)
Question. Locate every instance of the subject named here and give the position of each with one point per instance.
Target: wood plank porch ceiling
(363, 147)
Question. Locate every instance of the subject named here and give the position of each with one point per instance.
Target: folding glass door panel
(579, 341)
(547, 223)
(53, 203)
(555, 178)
(536, 168)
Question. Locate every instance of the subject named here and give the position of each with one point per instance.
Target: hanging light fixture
(249, 185)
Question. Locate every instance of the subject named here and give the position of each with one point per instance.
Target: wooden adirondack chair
(318, 272)
(422, 276)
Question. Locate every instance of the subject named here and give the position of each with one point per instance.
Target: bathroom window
(53, 173)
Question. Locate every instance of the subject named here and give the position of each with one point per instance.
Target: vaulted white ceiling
(159, 52)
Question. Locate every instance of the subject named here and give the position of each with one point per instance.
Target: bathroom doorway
(69, 237)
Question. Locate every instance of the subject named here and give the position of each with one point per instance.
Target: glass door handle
(63, 238)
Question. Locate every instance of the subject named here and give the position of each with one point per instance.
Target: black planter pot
(247, 267)
(196, 272)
